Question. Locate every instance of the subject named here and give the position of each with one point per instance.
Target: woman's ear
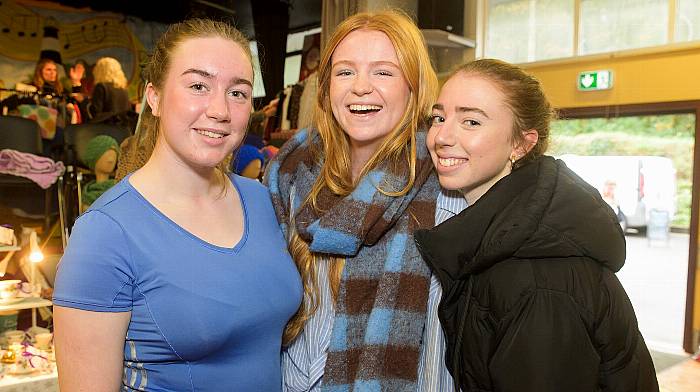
(530, 138)
(153, 99)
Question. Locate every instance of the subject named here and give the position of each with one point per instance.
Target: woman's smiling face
(470, 139)
(368, 91)
(205, 100)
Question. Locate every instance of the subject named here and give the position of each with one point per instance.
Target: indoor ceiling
(303, 14)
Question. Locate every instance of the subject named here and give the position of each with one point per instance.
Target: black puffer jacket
(530, 297)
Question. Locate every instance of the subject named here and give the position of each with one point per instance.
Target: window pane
(292, 66)
(258, 85)
(687, 20)
(530, 30)
(610, 25)
(295, 41)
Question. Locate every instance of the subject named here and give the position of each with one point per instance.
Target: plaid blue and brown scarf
(381, 305)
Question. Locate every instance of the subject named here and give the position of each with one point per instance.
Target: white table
(35, 382)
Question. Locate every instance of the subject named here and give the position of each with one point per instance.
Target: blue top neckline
(234, 181)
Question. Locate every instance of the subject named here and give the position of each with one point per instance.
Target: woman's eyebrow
(199, 72)
(464, 109)
(209, 75)
(372, 63)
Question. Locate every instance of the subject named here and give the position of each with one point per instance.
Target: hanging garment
(44, 116)
(307, 101)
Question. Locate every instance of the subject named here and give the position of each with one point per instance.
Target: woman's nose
(218, 107)
(361, 85)
(444, 135)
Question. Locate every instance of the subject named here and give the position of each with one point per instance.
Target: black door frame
(679, 107)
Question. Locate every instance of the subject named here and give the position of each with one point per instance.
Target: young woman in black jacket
(530, 297)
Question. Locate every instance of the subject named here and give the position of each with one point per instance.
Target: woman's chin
(450, 184)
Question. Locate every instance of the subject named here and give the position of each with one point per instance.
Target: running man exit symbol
(595, 80)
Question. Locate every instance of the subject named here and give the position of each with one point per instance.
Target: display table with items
(27, 359)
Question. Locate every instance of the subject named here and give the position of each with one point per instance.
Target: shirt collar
(451, 201)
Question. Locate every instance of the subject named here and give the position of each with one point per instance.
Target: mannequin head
(248, 162)
(105, 165)
(101, 156)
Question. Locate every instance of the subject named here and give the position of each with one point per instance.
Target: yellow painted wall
(670, 73)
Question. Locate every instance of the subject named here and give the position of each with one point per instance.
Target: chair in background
(77, 136)
(20, 134)
(24, 135)
(76, 139)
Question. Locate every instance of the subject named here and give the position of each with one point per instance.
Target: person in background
(109, 96)
(530, 297)
(349, 193)
(77, 81)
(608, 194)
(52, 95)
(177, 278)
(45, 78)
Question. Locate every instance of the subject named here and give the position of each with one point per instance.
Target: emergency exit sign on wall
(595, 80)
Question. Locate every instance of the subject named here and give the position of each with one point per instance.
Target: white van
(642, 183)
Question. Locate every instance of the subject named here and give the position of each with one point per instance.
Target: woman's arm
(544, 347)
(625, 362)
(89, 349)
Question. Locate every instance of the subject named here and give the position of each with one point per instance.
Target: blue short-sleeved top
(203, 317)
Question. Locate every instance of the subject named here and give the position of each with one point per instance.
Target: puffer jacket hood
(541, 211)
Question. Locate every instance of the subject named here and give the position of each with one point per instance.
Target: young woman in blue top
(178, 278)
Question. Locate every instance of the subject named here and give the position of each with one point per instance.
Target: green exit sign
(595, 80)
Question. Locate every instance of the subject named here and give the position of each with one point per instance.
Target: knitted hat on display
(245, 155)
(96, 147)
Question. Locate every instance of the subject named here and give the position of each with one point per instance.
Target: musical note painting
(28, 28)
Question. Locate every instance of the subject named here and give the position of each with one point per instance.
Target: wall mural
(28, 27)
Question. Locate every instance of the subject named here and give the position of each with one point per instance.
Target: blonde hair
(398, 148)
(524, 97)
(108, 70)
(158, 67)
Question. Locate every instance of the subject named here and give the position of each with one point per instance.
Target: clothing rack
(39, 94)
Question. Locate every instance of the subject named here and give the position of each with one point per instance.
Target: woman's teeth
(364, 108)
(210, 134)
(447, 162)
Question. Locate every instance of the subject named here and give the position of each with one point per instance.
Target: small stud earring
(513, 158)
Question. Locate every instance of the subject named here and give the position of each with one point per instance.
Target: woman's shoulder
(110, 196)
(297, 145)
(294, 155)
(247, 185)
(121, 203)
(253, 193)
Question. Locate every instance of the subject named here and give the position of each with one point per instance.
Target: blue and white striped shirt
(304, 360)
